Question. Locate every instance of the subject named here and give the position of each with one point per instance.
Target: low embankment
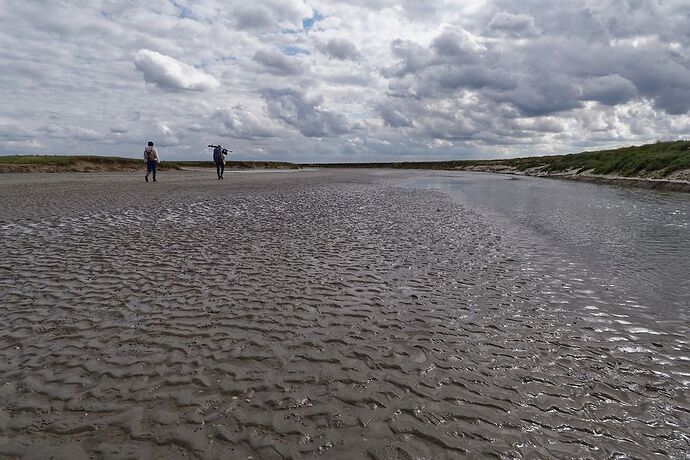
(62, 163)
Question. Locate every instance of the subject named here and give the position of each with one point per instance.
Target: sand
(295, 315)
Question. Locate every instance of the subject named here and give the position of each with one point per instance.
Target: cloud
(538, 97)
(472, 78)
(277, 63)
(340, 48)
(169, 73)
(412, 58)
(304, 113)
(241, 123)
(476, 77)
(451, 43)
(516, 25)
(247, 17)
(609, 90)
(394, 118)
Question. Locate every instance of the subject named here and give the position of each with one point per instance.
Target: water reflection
(636, 240)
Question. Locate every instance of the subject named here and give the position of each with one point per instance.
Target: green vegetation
(652, 160)
(659, 159)
(61, 160)
(71, 163)
(656, 160)
(235, 164)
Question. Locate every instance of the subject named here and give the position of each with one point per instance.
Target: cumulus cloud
(277, 63)
(304, 113)
(340, 48)
(476, 77)
(241, 123)
(376, 77)
(452, 43)
(169, 73)
(412, 58)
(609, 90)
(395, 118)
(253, 17)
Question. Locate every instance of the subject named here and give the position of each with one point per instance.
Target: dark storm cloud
(304, 113)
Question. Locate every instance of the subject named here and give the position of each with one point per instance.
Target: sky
(342, 81)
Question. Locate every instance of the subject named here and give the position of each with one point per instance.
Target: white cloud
(169, 73)
(326, 80)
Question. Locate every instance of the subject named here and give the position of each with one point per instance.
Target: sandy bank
(679, 181)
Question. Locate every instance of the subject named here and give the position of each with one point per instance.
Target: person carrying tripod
(219, 159)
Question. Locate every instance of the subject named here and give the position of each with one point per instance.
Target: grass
(658, 159)
(115, 163)
(652, 160)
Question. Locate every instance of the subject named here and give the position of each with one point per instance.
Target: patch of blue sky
(184, 12)
(293, 50)
(308, 23)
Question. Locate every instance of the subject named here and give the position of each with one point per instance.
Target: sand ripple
(310, 314)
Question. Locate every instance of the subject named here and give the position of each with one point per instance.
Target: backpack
(217, 154)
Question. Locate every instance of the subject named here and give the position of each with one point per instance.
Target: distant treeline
(659, 159)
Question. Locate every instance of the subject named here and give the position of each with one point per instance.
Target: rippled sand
(308, 314)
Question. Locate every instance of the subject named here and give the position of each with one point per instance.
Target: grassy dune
(657, 160)
(660, 159)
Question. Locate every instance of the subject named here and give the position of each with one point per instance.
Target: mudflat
(298, 315)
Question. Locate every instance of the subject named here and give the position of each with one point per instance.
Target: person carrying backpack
(151, 158)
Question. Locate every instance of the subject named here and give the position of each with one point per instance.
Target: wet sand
(300, 315)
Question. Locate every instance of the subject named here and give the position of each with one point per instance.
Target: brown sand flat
(294, 315)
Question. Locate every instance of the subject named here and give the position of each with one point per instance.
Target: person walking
(151, 158)
(219, 159)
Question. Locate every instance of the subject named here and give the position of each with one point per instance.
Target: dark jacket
(218, 155)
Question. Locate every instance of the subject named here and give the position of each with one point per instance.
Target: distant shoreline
(62, 164)
(658, 166)
(637, 182)
(674, 185)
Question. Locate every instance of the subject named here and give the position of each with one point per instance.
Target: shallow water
(325, 314)
(638, 239)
